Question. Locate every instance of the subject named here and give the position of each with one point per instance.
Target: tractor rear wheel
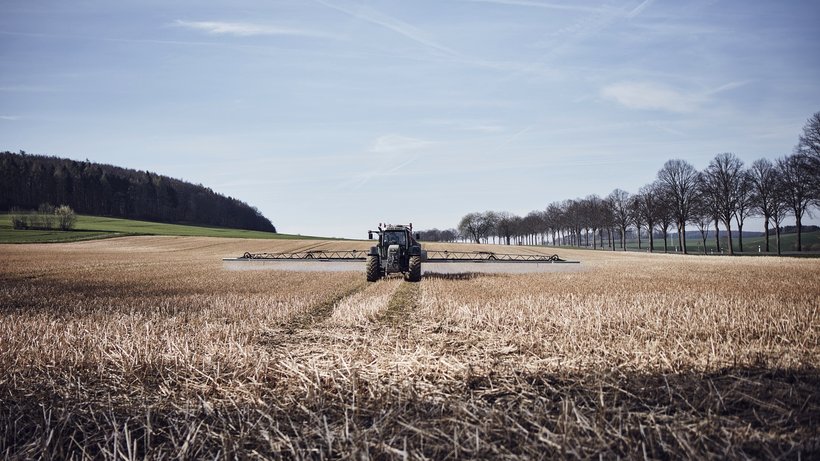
(414, 272)
(374, 271)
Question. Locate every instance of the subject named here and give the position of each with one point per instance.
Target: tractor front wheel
(414, 272)
(374, 272)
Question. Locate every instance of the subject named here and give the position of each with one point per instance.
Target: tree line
(28, 181)
(725, 194)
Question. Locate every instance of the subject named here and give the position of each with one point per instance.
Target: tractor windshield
(395, 238)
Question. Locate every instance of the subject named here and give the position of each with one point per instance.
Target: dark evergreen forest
(27, 181)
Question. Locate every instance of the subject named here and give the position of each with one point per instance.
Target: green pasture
(95, 227)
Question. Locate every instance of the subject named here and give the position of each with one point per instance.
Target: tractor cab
(395, 237)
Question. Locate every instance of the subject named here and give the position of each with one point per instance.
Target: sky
(331, 116)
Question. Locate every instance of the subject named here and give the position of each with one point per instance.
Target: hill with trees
(28, 181)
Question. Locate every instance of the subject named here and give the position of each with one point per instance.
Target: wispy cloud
(568, 6)
(247, 29)
(728, 87)
(656, 96)
(393, 143)
(651, 96)
(480, 126)
(27, 89)
(367, 14)
(387, 156)
(9, 117)
(537, 4)
(639, 9)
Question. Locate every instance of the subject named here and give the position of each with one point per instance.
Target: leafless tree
(595, 218)
(475, 226)
(808, 147)
(720, 183)
(651, 204)
(680, 180)
(745, 205)
(504, 226)
(796, 186)
(764, 181)
(637, 216)
(778, 211)
(702, 218)
(491, 224)
(665, 220)
(619, 203)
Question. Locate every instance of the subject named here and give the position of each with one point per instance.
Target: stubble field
(147, 347)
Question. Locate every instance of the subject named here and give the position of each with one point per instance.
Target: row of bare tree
(725, 193)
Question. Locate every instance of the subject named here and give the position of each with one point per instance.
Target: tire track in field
(322, 310)
(295, 329)
(357, 312)
(401, 306)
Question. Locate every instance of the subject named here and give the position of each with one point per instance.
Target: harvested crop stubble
(146, 347)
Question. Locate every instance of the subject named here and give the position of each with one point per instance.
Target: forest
(28, 181)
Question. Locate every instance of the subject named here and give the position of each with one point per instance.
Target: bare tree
(721, 184)
(680, 180)
(636, 216)
(619, 203)
(665, 222)
(745, 205)
(595, 217)
(553, 218)
(504, 226)
(474, 226)
(796, 186)
(808, 147)
(490, 224)
(764, 181)
(778, 210)
(651, 204)
(702, 218)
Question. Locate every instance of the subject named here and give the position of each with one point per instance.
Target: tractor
(398, 251)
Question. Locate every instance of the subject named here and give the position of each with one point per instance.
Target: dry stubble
(148, 347)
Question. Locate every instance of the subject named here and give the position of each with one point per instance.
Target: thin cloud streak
(535, 4)
(650, 96)
(409, 31)
(639, 9)
(246, 29)
(655, 96)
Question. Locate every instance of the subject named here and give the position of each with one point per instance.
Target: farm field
(96, 227)
(147, 346)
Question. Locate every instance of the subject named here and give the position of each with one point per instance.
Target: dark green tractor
(397, 251)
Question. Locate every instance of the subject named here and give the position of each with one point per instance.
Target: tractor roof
(396, 227)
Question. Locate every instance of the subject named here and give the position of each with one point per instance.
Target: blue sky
(331, 116)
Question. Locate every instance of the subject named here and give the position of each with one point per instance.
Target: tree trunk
(623, 238)
(651, 239)
(717, 235)
(766, 230)
(685, 250)
(740, 237)
(777, 231)
(665, 240)
(681, 239)
(639, 237)
(703, 237)
(728, 223)
(799, 232)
